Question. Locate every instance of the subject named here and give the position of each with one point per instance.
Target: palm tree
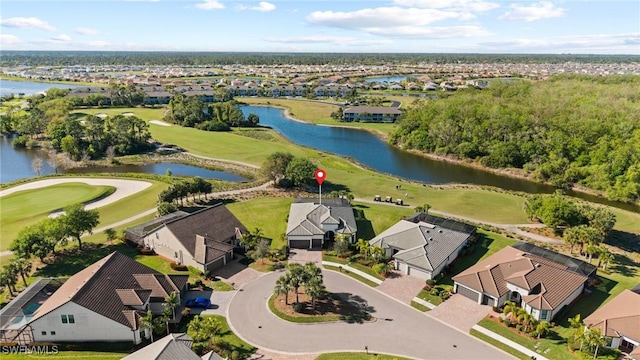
(314, 288)
(363, 246)
(283, 287)
(527, 320)
(296, 278)
(166, 316)
(575, 322)
(172, 301)
(7, 279)
(543, 328)
(111, 235)
(605, 257)
(596, 340)
(146, 322)
(22, 266)
(510, 309)
(592, 250)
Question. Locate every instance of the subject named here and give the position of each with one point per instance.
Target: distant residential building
(381, 114)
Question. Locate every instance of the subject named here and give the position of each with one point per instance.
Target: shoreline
(506, 172)
(47, 81)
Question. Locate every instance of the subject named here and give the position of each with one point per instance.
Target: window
(68, 319)
(44, 333)
(544, 314)
(53, 333)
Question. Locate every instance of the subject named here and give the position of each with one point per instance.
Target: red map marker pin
(320, 175)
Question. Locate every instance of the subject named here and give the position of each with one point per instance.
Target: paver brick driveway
(402, 287)
(303, 256)
(460, 312)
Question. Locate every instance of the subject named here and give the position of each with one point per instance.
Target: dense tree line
(190, 111)
(567, 130)
(170, 198)
(67, 58)
(48, 117)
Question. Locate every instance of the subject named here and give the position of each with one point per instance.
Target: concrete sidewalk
(522, 349)
(355, 271)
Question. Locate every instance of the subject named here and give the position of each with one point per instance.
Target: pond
(371, 151)
(17, 164)
(386, 79)
(8, 87)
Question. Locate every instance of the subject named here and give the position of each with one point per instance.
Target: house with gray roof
(387, 114)
(103, 303)
(312, 224)
(204, 239)
(423, 245)
(171, 347)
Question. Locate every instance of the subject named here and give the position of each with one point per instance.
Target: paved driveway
(304, 256)
(402, 287)
(460, 312)
(399, 330)
(236, 274)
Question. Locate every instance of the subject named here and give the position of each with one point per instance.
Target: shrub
(20, 142)
(426, 287)
(518, 327)
(297, 307)
(178, 267)
(197, 283)
(435, 291)
(445, 295)
(277, 265)
(497, 309)
(431, 282)
(507, 322)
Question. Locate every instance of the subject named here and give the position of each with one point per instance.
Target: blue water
(8, 87)
(387, 79)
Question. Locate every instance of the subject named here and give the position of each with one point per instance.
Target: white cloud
(264, 7)
(27, 23)
(381, 16)
(86, 31)
(533, 12)
(465, 5)
(210, 5)
(61, 38)
(322, 39)
(6, 39)
(399, 22)
(582, 43)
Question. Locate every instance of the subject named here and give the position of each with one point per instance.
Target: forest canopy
(566, 130)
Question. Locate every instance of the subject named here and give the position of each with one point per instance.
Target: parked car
(199, 302)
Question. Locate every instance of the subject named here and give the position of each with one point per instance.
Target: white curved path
(124, 188)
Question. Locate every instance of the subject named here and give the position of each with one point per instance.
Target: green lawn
(83, 355)
(358, 356)
(143, 113)
(24, 208)
(433, 299)
(419, 306)
(365, 269)
(553, 347)
(499, 345)
(268, 214)
(232, 339)
(351, 274)
(626, 220)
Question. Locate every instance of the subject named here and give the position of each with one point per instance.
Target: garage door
(419, 273)
(317, 243)
(299, 244)
(402, 267)
(468, 293)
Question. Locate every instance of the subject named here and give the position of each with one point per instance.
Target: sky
(389, 26)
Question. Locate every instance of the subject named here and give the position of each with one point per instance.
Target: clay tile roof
(133, 297)
(96, 287)
(620, 316)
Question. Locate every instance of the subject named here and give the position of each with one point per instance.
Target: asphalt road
(399, 329)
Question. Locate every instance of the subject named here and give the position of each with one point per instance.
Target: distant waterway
(25, 88)
(17, 164)
(386, 79)
(373, 152)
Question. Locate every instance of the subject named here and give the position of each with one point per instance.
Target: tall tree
(146, 322)
(283, 287)
(79, 221)
(275, 166)
(300, 171)
(172, 301)
(21, 266)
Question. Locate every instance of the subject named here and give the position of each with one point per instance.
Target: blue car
(199, 302)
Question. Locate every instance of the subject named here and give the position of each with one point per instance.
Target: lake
(16, 164)
(371, 151)
(386, 79)
(8, 87)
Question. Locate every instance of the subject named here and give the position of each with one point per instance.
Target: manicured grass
(268, 214)
(420, 306)
(83, 355)
(301, 319)
(225, 334)
(143, 113)
(353, 275)
(24, 208)
(358, 356)
(53, 82)
(101, 237)
(317, 112)
(365, 269)
(426, 295)
(552, 347)
(499, 345)
(219, 285)
(373, 219)
(626, 221)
